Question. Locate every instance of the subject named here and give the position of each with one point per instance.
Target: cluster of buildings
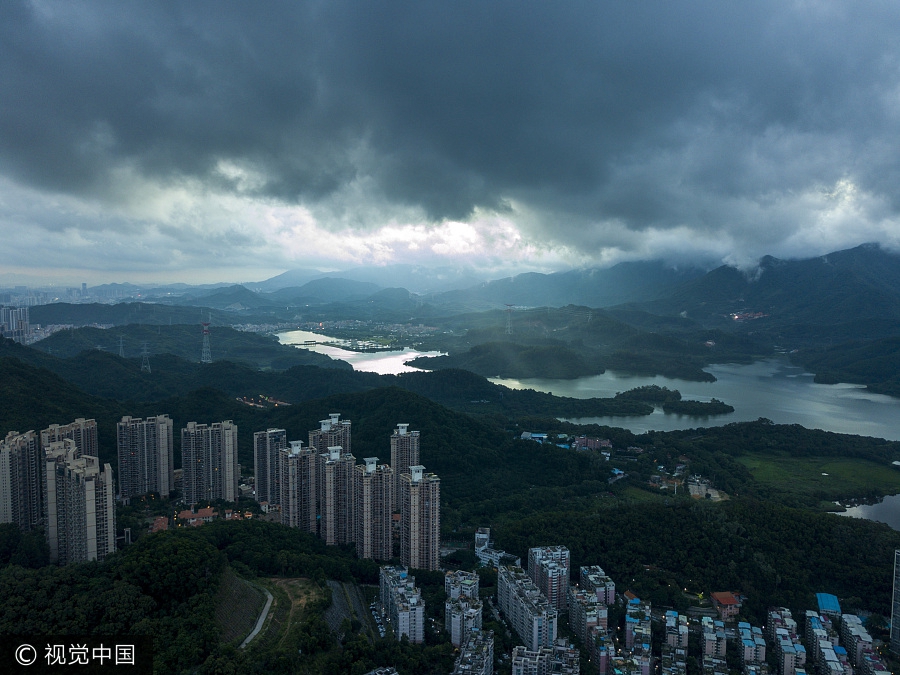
(15, 324)
(321, 489)
(404, 609)
(831, 643)
(55, 480)
(835, 643)
(532, 603)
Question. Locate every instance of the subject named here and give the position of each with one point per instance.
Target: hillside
(593, 287)
(848, 293)
(185, 342)
(875, 364)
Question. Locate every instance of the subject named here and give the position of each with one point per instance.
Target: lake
(885, 511)
(381, 362)
(773, 388)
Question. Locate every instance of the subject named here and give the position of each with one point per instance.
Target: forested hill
(845, 294)
(185, 341)
(101, 373)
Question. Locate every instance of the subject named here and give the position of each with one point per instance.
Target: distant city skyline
(204, 143)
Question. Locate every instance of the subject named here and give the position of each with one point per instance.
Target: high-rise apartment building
(337, 508)
(209, 460)
(79, 498)
(267, 447)
(373, 484)
(145, 449)
(404, 454)
(298, 486)
(548, 567)
(14, 323)
(333, 432)
(420, 519)
(82, 431)
(20, 480)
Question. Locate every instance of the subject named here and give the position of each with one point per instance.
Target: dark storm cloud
(651, 114)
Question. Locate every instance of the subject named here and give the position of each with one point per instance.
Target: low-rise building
(560, 658)
(548, 567)
(712, 638)
(586, 613)
(854, 637)
(462, 615)
(402, 602)
(673, 659)
(601, 648)
(781, 629)
(461, 584)
(753, 644)
(727, 604)
(594, 580)
(476, 657)
(637, 625)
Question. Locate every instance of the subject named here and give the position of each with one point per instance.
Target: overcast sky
(228, 141)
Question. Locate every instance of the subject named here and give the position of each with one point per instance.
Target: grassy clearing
(825, 478)
(636, 494)
(291, 596)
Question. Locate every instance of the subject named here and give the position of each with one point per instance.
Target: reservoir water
(381, 362)
(885, 511)
(773, 389)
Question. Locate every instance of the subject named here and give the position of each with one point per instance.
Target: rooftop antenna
(145, 358)
(121, 347)
(205, 356)
(509, 309)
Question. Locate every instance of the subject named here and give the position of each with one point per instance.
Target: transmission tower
(509, 309)
(121, 347)
(205, 356)
(145, 358)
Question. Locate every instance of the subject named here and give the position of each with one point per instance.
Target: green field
(825, 478)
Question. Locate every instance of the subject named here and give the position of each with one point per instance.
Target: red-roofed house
(160, 524)
(728, 604)
(195, 518)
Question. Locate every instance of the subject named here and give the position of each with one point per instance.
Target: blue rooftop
(828, 603)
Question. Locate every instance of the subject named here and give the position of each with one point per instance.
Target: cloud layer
(220, 136)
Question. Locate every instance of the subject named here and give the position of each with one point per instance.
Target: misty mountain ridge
(856, 284)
